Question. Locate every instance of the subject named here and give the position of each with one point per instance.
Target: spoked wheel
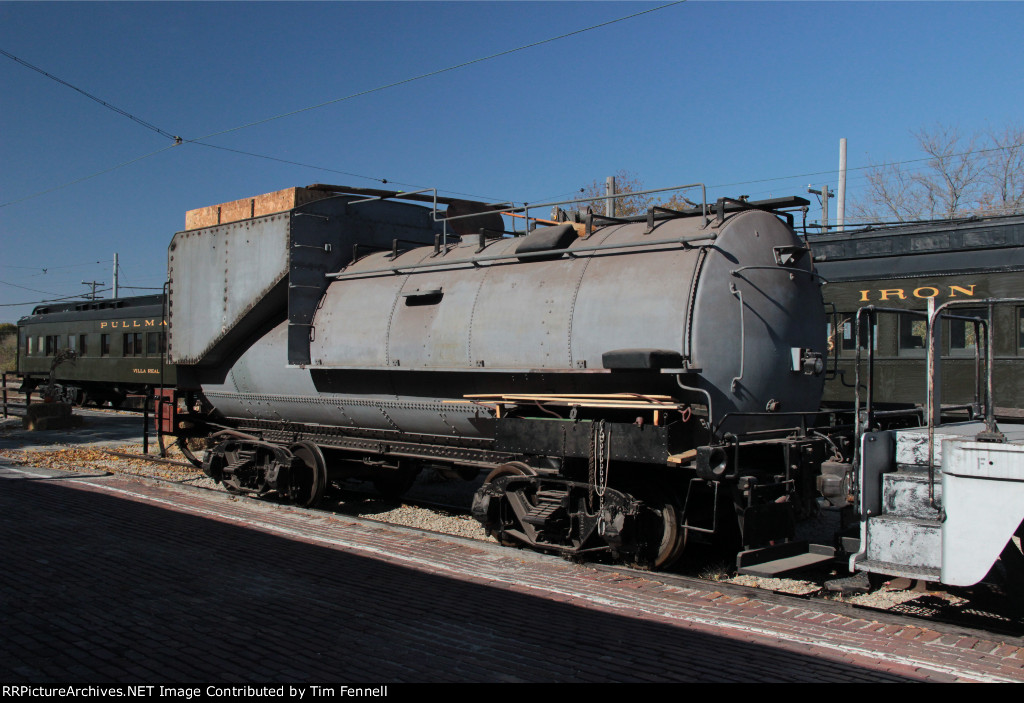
(515, 499)
(665, 539)
(307, 482)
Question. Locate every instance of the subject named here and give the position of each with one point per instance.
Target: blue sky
(747, 97)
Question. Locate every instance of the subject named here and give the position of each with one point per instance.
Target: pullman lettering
(125, 324)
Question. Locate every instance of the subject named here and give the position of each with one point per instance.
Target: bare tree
(979, 174)
(8, 346)
(954, 180)
(630, 182)
(625, 182)
(1004, 170)
(893, 193)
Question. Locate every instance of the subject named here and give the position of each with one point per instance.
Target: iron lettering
(921, 293)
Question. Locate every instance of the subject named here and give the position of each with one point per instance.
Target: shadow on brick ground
(94, 588)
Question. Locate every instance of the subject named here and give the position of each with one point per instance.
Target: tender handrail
(710, 236)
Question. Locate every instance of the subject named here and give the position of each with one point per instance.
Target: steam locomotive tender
(628, 385)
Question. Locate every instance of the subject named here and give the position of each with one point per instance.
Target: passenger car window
(132, 344)
(1020, 329)
(850, 338)
(913, 335)
(963, 334)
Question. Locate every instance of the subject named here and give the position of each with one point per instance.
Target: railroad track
(17, 409)
(148, 457)
(16, 406)
(423, 503)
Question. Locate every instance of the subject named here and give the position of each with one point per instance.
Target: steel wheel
(664, 535)
(307, 482)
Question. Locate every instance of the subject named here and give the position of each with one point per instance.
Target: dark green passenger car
(118, 347)
(902, 267)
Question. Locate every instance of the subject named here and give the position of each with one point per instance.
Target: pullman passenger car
(118, 347)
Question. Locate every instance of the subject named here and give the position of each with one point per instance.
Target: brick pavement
(119, 579)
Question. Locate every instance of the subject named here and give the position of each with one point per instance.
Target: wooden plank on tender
(236, 210)
(574, 403)
(630, 402)
(286, 199)
(606, 406)
(246, 208)
(686, 456)
(616, 396)
(202, 217)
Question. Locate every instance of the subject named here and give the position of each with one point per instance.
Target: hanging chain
(599, 460)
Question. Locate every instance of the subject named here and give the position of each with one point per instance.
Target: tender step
(913, 542)
(920, 573)
(905, 493)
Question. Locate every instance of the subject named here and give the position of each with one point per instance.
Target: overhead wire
(44, 292)
(34, 290)
(835, 171)
(80, 296)
(199, 140)
(55, 268)
(286, 161)
(343, 173)
(89, 95)
(440, 71)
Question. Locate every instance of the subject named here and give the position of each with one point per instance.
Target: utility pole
(93, 284)
(841, 200)
(115, 274)
(824, 194)
(609, 191)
